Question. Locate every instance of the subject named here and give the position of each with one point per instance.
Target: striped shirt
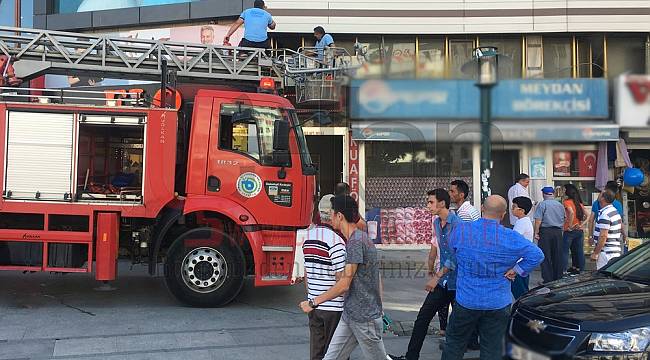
(609, 219)
(324, 256)
(467, 212)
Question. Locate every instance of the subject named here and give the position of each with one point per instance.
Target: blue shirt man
(486, 255)
(485, 251)
(323, 41)
(447, 260)
(256, 21)
(441, 288)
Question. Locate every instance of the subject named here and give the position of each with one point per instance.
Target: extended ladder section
(36, 52)
(317, 74)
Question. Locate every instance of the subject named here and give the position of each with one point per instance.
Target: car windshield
(634, 266)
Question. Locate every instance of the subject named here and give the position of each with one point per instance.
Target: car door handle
(214, 184)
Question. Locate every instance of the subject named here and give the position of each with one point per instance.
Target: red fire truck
(213, 182)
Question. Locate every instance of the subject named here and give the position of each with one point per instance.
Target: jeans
(519, 286)
(492, 325)
(574, 240)
(551, 243)
(435, 302)
(350, 333)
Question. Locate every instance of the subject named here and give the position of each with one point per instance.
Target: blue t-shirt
(324, 42)
(256, 22)
(595, 208)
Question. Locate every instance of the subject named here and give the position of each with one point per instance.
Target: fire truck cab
(217, 189)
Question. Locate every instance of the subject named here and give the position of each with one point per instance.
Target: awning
(469, 131)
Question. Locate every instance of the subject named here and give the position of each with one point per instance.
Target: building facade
(562, 42)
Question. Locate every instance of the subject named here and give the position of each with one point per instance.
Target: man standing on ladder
(256, 20)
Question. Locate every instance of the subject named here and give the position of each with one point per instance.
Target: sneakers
(395, 357)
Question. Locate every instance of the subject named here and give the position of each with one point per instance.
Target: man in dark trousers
(361, 322)
(549, 223)
(488, 256)
(441, 289)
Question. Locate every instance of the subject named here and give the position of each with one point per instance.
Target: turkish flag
(587, 163)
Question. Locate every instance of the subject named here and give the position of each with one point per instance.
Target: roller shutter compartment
(38, 162)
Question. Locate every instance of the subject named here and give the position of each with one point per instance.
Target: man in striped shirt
(607, 234)
(324, 257)
(458, 192)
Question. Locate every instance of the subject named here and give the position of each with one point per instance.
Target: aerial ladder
(28, 53)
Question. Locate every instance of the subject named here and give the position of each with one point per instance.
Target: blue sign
(459, 99)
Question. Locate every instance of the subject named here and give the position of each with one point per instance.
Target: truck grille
(552, 339)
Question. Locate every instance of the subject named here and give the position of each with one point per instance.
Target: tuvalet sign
(632, 96)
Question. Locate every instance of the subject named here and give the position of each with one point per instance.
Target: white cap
(325, 204)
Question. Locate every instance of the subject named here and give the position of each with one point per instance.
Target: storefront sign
(459, 99)
(633, 101)
(470, 131)
(354, 169)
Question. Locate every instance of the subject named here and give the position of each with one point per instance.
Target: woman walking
(574, 236)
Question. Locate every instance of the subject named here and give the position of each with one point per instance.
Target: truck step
(274, 277)
(277, 248)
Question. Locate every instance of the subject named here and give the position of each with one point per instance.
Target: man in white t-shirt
(520, 188)
(458, 192)
(521, 206)
(325, 256)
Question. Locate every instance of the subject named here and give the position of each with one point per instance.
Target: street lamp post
(487, 62)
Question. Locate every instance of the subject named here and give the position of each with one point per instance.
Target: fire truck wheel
(204, 275)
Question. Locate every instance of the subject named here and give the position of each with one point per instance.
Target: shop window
(587, 189)
(370, 49)
(534, 56)
(625, 54)
(591, 56)
(557, 57)
(509, 55)
(399, 55)
(638, 198)
(460, 53)
(292, 41)
(341, 41)
(431, 57)
(574, 163)
(418, 159)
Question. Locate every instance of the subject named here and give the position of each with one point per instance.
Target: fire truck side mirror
(281, 155)
(281, 135)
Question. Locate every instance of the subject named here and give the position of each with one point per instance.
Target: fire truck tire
(204, 276)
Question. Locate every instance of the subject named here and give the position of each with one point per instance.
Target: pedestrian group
(476, 266)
